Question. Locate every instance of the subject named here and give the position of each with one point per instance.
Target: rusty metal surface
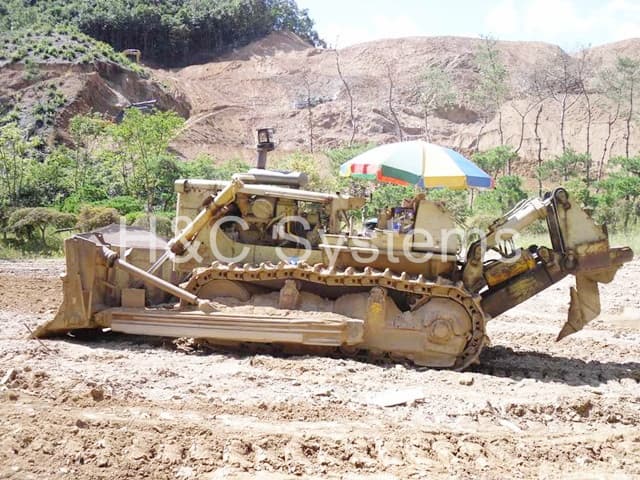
(499, 272)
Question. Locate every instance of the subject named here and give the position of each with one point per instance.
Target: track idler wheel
(444, 331)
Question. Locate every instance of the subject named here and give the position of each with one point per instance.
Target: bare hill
(269, 83)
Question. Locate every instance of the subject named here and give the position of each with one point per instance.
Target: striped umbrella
(417, 163)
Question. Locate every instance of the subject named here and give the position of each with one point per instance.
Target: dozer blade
(584, 307)
(331, 330)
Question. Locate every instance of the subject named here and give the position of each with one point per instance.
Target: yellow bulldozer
(261, 260)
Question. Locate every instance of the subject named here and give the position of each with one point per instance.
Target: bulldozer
(259, 259)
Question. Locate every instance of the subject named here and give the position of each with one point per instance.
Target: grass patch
(616, 239)
(629, 239)
(42, 45)
(13, 248)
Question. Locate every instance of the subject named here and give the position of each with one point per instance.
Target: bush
(507, 193)
(92, 194)
(163, 225)
(18, 226)
(91, 218)
(454, 201)
(24, 222)
(124, 204)
(481, 221)
(5, 213)
(496, 159)
(305, 163)
(204, 166)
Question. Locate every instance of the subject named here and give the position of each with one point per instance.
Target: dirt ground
(130, 407)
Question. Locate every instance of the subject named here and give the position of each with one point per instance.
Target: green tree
(618, 200)
(496, 159)
(348, 185)
(87, 133)
(25, 221)
(169, 32)
(621, 85)
(204, 166)
(435, 91)
(454, 201)
(141, 154)
(17, 162)
(386, 196)
(568, 164)
(506, 194)
(52, 178)
(305, 163)
(492, 87)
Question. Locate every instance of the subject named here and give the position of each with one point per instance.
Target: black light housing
(265, 139)
(265, 144)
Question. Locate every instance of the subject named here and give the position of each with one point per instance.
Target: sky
(572, 24)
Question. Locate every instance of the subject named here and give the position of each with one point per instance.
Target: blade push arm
(226, 196)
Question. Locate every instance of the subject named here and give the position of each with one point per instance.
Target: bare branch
(348, 90)
(391, 74)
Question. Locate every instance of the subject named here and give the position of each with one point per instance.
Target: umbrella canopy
(417, 163)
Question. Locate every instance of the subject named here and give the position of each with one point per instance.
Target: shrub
(481, 221)
(454, 201)
(204, 166)
(504, 197)
(31, 70)
(163, 225)
(496, 159)
(305, 163)
(124, 204)
(92, 217)
(25, 221)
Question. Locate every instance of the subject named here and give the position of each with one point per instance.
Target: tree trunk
(482, 125)
(606, 142)
(309, 112)
(589, 119)
(348, 89)
(390, 102)
(588, 152)
(629, 118)
(310, 129)
(500, 126)
(563, 112)
(522, 119)
(539, 141)
(427, 135)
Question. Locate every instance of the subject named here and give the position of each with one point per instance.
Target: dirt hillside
(103, 87)
(268, 83)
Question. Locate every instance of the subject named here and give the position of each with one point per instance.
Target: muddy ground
(130, 407)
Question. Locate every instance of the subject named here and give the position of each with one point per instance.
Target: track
(345, 280)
